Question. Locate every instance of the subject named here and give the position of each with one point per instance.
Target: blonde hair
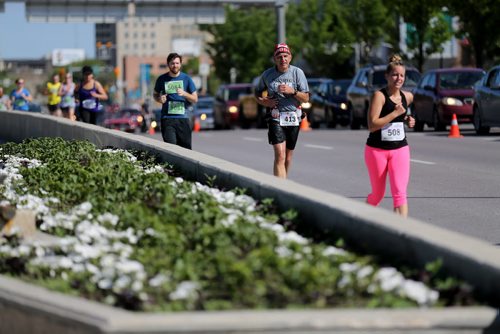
(394, 60)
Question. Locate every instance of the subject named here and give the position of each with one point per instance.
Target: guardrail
(27, 308)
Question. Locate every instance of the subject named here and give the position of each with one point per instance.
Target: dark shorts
(53, 107)
(176, 131)
(278, 134)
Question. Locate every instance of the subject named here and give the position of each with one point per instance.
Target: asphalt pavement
(454, 183)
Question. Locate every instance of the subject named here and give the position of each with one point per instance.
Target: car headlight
(203, 117)
(139, 119)
(451, 101)
(154, 124)
(306, 105)
(233, 109)
(343, 106)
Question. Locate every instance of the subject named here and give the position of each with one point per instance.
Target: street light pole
(281, 20)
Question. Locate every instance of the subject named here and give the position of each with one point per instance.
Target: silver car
(486, 110)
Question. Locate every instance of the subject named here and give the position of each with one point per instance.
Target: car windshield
(234, 93)
(459, 80)
(411, 80)
(339, 87)
(313, 85)
(205, 104)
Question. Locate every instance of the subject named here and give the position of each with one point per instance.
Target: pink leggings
(397, 163)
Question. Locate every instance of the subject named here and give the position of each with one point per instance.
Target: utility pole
(281, 20)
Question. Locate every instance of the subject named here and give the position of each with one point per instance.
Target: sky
(20, 39)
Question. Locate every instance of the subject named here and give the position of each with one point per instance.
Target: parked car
(442, 93)
(314, 84)
(204, 112)
(127, 119)
(486, 108)
(252, 113)
(329, 105)
(227, 104)
(34, 107)
(366, 81)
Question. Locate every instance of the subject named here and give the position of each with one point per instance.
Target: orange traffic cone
(454, 130)
(151, 130)
(304, 125)
(197, 126)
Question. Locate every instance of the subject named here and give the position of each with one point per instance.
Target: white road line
(253, 139)
(319, 146)
(423, 162)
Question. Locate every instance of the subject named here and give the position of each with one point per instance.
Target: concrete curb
(370, 228)
(25, 307)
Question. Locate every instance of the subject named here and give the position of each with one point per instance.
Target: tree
(428, 28)
(371, 23)
(479, 24)
(318, 32)
(244, 42)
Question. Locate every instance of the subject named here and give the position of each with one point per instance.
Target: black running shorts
(278, 134)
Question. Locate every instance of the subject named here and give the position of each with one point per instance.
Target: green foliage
(319, 32)
(244, 42)
(370, 21)
(479, 23)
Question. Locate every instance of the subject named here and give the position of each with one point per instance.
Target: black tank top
(375, 138)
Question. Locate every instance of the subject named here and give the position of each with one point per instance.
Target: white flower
(122, 282)
(349, 267)
(83, 209)
(158, 280)
(330, 251)
(137, 286)
(283, 251)
(108, 217)
(130, 266)
(184, 290)
(364, 272)
(108, 260)
(419, 292)
(105, 284)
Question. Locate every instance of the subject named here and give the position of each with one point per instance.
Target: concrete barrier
(371, 229)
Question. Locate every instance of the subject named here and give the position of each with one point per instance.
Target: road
(454, 183)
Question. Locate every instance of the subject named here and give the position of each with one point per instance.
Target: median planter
(136, 235)
(368, 228)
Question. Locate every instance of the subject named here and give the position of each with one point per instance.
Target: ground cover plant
(134, 234)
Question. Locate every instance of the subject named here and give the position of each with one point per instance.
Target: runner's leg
(399, 176)
(376, 163)
(279, 167)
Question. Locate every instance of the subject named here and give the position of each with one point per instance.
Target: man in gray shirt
(282, 88)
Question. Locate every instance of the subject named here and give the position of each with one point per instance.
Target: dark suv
(366, 81)
(329, 105)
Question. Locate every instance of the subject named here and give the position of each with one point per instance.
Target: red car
(129, 120)
(442, 93)
(227, 104)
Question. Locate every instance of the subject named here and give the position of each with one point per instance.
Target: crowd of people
(62, 97)
(281, 89)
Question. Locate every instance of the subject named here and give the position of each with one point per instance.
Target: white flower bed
(104, 254)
